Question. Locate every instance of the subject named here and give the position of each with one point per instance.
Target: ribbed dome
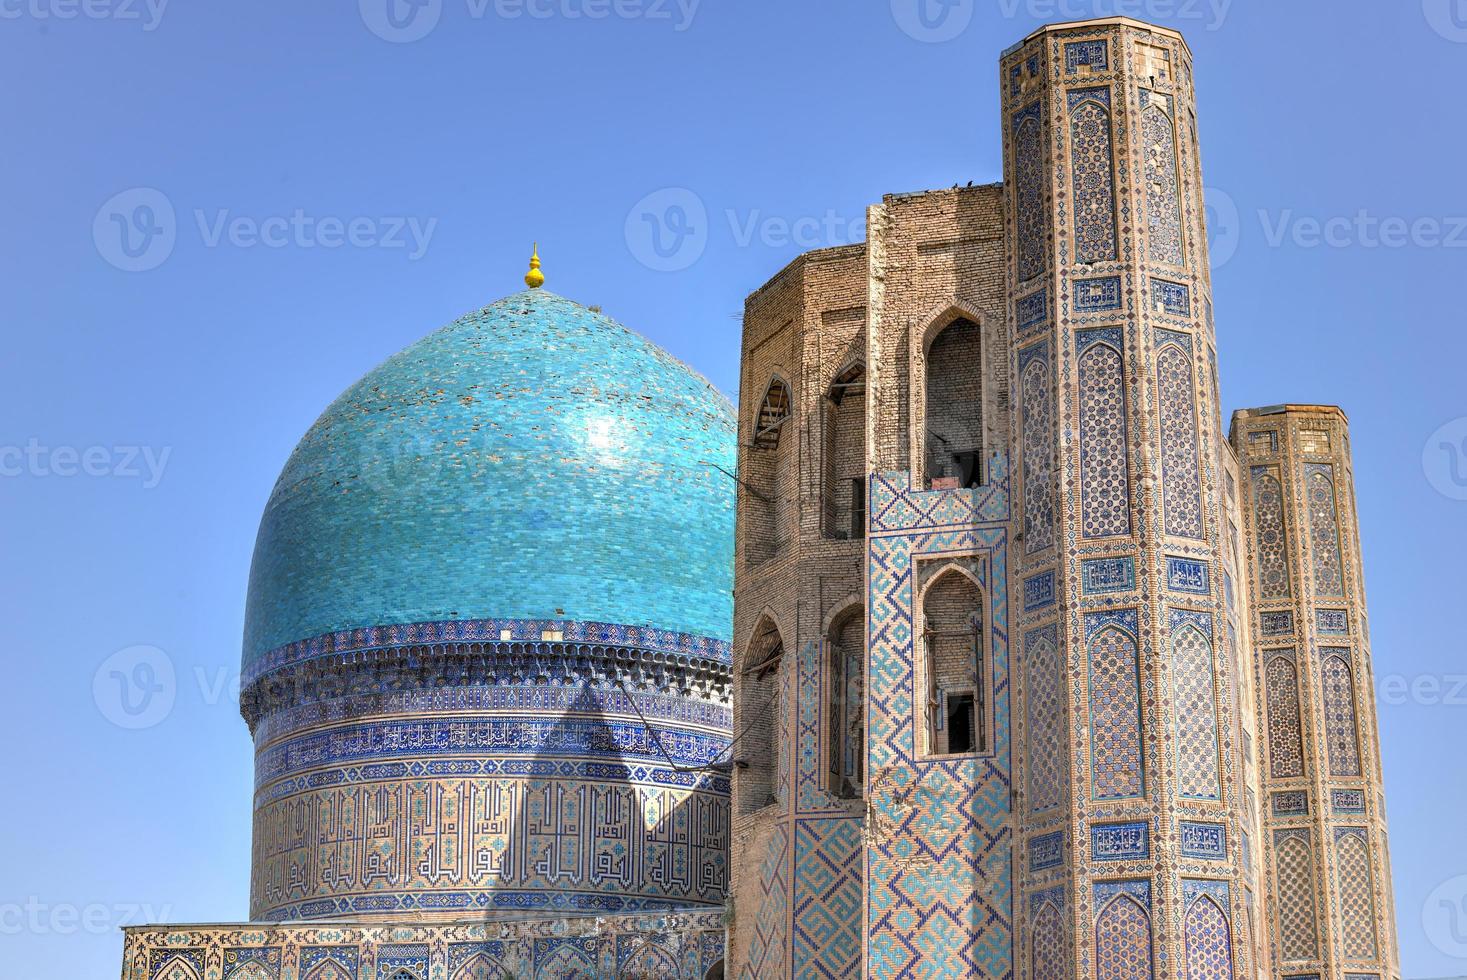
(533, 460)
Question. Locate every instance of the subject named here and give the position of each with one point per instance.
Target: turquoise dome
(532, 461)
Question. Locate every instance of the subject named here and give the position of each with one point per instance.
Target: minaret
(1128, 799)
(1332, 915)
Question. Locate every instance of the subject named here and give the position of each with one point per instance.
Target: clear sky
(214, 217)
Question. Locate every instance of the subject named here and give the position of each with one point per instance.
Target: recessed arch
(844, 633)
(843, 454)
(758, 752)
(769, 475)
(954, 662)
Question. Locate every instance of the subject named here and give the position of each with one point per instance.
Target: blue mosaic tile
(1039, 591)
(1347, 801)
(1033, 310)
(1205, 841)
(534, 438)
(1047, 852)
(1121, 842)
(1101, 575)
(1097, 295)
(1171, 298)
(1187, 575)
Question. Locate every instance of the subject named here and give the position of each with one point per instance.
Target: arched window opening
(843, 493)
(954, 418)
(769, 477)
(846, 646)
(715, 972)
(952, 633)
(761, 745)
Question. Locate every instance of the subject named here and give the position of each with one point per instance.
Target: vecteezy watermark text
(137, 230)
(34, 459)
(36, 917)
(147, 13)
(404, 21)
(936, 21)
(669, 230)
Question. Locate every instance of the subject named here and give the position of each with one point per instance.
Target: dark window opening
(961, 722)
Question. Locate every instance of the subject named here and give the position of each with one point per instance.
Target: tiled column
(1129, 821)
(1332, 912)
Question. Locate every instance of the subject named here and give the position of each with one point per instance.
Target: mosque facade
(970, 643)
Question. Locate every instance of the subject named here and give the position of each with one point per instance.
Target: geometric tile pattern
(1032, 215)
(1194, 700)
(939, 839)
(1120, 842)
(1285, 740)
(1208, 841)
(827, 913)
(1189, 575)
(1355, 886)
(1115, 708)
(1049, 952)
(1181, 469)
(668, 946)
(1123, 949)
(1340, 733)
(770, 943)
(1101, 575)
(1104, 480)
(1038, 450)
(1163, 202)
(1268, 519)
(1097, 295)
(1171, 298)
(1094, 181)
(1206, 936)
(1324, 530)
(1295, 906)
(1091, 54)
(1046, 720)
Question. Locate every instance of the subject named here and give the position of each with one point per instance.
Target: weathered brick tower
(1017, 695)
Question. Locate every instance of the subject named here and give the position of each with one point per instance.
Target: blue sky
(306, 189)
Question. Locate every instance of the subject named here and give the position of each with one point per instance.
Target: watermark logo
(667, 230)
(1448, 18)
(34, 459)
(401, 21)
(135, 688)
(1444, 917)
(1444, 460)
(148, 13)
(404, 21)
(38, 918)
(136, 229)
(1424, 690)
(1362, 230)
(933, 21)
(1212, 14)
(1224, 226)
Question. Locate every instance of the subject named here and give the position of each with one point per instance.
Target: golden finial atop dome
(535, 278)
